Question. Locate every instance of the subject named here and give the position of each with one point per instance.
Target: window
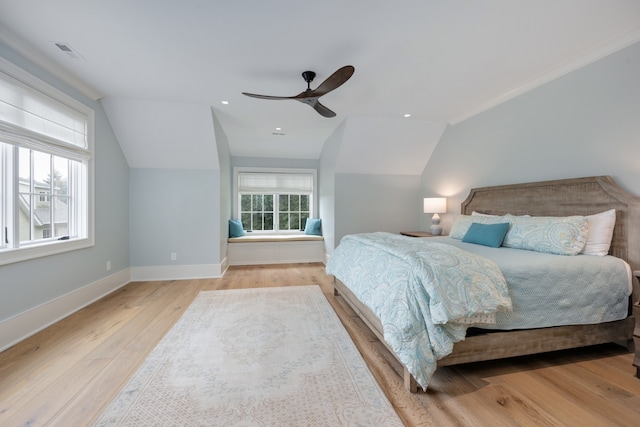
(46, 168)
(274, 200)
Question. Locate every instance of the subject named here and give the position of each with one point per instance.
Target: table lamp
(435, 206)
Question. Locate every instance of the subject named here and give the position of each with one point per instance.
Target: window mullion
(15, 197)
(276, 212)
(52, 202)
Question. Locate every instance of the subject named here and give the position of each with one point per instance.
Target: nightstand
(418, 234)
(636, 330)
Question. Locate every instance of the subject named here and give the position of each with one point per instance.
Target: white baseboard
(27, 323)
(224, 265)
(176, 272)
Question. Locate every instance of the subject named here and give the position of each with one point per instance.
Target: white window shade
(24, 108)
(281, 183)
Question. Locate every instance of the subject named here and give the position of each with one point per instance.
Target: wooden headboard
(579, 196)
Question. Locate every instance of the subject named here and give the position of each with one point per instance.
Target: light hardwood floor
(67, 373)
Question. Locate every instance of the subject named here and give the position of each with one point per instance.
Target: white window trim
(314, 202)
(56, 247)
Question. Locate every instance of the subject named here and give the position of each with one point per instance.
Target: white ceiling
(440, 60)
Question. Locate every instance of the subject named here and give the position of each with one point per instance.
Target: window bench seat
(270, 249)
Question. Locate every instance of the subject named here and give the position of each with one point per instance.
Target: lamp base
(435, 229)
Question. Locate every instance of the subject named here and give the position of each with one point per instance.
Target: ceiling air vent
(64, 47)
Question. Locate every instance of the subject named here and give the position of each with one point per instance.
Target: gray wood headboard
(578, 196)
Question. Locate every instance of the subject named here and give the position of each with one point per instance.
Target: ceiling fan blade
(310, 96)
(324, 111)
(334, 81)
(253, 95)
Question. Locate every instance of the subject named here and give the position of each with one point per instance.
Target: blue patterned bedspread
(420, 290)
(553, 290)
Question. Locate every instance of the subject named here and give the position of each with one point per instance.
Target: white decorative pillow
(600, 233)
(554, 235)
(474, 213)
(463, 222)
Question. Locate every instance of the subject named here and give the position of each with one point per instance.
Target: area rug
(253, 357)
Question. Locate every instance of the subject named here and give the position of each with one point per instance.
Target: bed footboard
(373, 323)
(494, 345)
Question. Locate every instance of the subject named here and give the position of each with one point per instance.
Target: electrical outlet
(108, 265)
(174, 256)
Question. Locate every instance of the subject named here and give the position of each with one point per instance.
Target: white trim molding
(176, 272)
(32, 321)
(571, 65)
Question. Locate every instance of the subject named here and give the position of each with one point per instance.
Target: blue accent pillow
(313, 227)
(490, 235)
(235, 228)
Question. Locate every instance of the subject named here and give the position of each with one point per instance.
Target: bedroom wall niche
(582, 124)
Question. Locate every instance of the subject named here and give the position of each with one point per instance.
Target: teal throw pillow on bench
(486, 234)
(235, 228)
(313, 227)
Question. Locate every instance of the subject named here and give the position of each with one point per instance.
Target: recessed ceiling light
(407, 115)
(225, 102)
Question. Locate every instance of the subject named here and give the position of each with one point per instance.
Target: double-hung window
(274, 200)
(45, 168)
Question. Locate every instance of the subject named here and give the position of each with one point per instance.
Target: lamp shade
(435, 204)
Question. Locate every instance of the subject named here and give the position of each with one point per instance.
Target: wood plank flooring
(66, 374)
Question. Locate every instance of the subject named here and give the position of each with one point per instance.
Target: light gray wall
(359, 202)
(273, 162)
(367, 203)
(326, 179)
(174, 210)
(585, 123)
(224, 156)
(28, 284)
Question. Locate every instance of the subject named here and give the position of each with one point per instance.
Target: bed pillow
(313, 227)
(474, 213)
(600, 233)
(463, 222)
(554, 235)
(235, 228)
(486, 234)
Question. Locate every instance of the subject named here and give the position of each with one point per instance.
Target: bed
(559, 198)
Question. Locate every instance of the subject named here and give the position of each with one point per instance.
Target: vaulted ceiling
(440, 61)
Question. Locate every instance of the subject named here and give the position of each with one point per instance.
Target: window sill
(32, 252)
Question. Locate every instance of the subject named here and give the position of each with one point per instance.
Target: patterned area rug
(245, 357)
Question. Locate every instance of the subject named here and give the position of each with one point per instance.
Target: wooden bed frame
(580, 196)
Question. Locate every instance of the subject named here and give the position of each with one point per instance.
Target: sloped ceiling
(440, 61)
(156, 134)
(387, 146)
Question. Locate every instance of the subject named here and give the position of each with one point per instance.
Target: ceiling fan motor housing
(308, 76)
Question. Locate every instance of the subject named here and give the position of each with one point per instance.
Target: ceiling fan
(310, 96)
